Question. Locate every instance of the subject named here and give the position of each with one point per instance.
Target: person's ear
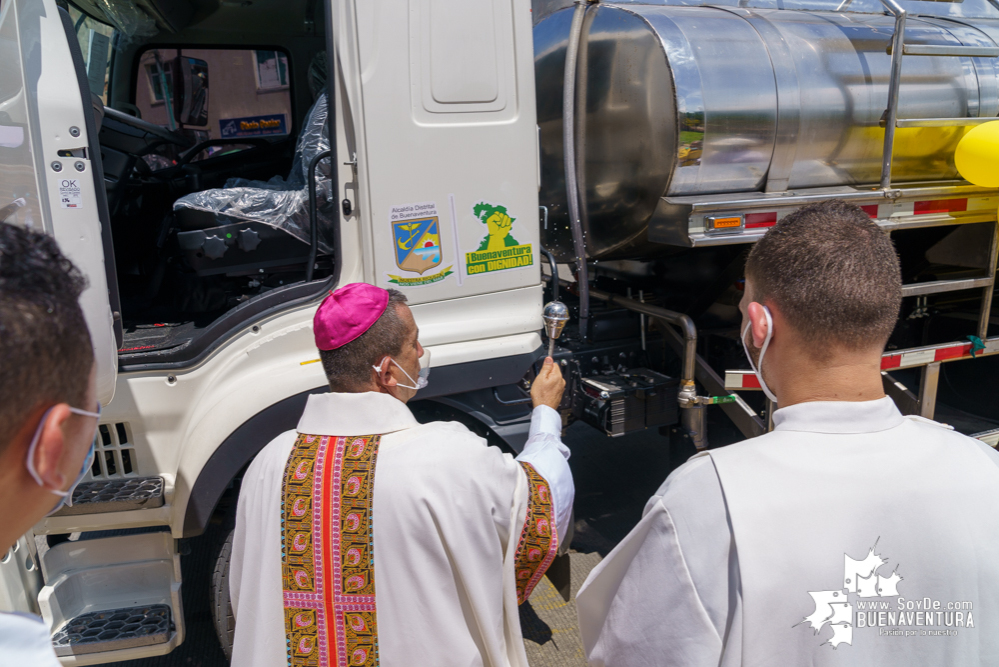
(758, 323)
(383, 375)
(51, 448)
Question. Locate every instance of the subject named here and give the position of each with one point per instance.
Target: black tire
(225, 622)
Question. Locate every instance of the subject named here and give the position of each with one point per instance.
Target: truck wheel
(225, 622)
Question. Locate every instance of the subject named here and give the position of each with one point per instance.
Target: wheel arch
(461, 389)
(235, 453)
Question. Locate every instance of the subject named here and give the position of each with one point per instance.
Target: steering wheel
(146, 126)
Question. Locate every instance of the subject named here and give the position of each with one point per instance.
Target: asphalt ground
(614, 478)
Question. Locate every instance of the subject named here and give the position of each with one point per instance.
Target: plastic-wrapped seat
(251, 226)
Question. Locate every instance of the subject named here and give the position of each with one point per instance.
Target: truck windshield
(95, 42)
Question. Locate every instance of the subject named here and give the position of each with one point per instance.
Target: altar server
(367, 538)
(851, 534)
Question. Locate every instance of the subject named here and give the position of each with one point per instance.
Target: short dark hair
(348, 368)
(832, 272)
(45, 350)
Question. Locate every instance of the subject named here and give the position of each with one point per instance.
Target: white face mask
(65, 497)
(422, 379)
(763, 351)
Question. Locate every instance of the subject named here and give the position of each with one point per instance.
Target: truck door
(441, 94)
(50, 171)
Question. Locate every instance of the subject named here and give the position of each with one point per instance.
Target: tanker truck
(216, 168)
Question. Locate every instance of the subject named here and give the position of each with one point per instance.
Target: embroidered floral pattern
(539, 539)
(327, 552)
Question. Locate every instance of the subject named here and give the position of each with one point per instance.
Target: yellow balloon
(977, 155)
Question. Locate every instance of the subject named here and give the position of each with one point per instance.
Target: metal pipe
(641, 317)
(569, 154)
(891, 114)
(985, 312)
(692, 418)
(313, 213)
(928, 390)
(679, 320)
(692, 414)
(554, 269)
(743, 416)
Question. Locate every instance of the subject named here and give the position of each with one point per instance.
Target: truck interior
(206, 150)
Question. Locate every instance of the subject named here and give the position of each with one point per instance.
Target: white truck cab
(216, 167)
(435, 175)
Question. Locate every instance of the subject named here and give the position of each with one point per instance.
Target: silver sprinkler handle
(555, 315)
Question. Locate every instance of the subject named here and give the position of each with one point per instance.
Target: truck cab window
(252, 99)
(205, 164)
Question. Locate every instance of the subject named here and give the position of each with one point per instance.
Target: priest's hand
(548, 386)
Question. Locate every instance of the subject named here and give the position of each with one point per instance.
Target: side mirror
(190, 91)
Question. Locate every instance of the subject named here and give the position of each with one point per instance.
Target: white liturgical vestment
(450, 557)
(25, 641)
(849, 536)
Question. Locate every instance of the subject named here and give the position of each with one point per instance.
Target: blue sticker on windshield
(253, 126)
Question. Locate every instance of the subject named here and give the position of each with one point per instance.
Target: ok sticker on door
(70, 194)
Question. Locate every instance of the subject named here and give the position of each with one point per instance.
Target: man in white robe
(850, 535)
(461, 532)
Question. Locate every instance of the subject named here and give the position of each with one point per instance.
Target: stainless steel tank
(686, 100)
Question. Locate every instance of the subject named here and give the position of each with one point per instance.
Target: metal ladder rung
(938, 286)
(947, 50)
(941, 122)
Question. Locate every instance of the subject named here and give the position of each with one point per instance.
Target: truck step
(113, 598)
(114, 629)
(115, 495)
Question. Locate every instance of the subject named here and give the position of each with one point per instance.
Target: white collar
(367, 413)
(839, 416)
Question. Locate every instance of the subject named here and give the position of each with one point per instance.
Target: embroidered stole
(539, 539)
(327, 552)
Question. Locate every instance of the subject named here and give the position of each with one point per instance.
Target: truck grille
(114, 457)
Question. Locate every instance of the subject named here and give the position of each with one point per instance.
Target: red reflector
(892, 361)
(750, 381)
(871, 210)
(940, 206)
(761, 220)
(952, 352)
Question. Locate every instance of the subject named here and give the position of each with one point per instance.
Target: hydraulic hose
(569, 151)
(554, 269)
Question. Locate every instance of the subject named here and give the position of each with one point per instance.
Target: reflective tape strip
(754, 220)
(983, 203)
(919, 357)
(955, 352)
(939, 206)
(923, 357)
(741, 380)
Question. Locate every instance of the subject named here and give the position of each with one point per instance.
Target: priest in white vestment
(850, 535)
(366, 538)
